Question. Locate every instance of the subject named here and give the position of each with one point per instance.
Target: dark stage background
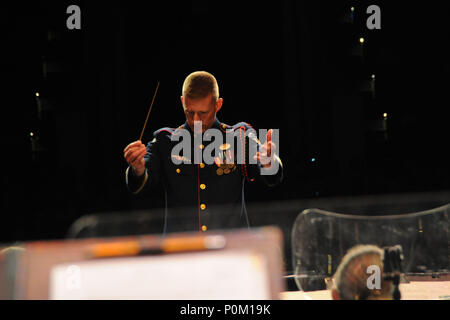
(297, 66)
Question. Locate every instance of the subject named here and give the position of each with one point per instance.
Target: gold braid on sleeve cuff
(143, 182)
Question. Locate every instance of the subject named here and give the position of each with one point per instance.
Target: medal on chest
(225, 160)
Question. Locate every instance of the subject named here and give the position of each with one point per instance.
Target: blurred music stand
(249, 266)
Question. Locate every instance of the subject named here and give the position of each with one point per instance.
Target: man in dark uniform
(211, 194)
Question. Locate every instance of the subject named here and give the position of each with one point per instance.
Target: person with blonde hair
(362, 274)
(211, 191)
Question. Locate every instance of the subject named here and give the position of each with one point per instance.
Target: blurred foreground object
(236, 264)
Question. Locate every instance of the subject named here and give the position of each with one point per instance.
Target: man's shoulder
(237, 126)
(167, 131)
(165, 134)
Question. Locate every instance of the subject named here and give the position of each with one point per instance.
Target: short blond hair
(200, 84)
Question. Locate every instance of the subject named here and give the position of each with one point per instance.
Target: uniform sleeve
(271, 176)
(273, 179)
(152, 174)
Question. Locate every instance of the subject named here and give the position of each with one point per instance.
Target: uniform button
(203, 186)
(178, 170)
(203, 206)
(202, 146)
(202, 165)
(224, 126)
(204, 228)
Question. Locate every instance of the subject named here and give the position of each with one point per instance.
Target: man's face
(203, 109)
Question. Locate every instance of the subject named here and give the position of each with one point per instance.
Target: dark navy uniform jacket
(210, 199)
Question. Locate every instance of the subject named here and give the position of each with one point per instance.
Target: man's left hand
(266, 152)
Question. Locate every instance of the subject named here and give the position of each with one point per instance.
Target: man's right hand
(134, 154)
